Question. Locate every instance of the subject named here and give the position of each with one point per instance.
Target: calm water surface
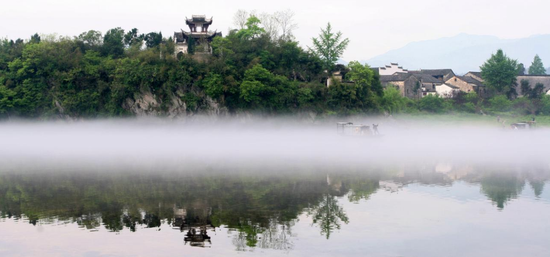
(405, 210)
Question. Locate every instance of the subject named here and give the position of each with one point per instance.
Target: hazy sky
(373, 27)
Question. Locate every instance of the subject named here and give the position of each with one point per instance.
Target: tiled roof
(475, 73)
(444, 73)
(471, 80)
(395, 77)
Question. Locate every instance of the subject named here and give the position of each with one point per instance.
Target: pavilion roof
(198, 19)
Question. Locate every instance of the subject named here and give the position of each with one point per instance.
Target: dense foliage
(258, 68)
(250, 70)
(499, 73)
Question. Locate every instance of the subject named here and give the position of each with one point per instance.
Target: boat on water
(357, 130)
(524, 125)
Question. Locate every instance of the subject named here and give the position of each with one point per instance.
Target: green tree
(525, 87)
(191, 45)
(329, 46)
(433, 103)
(252, 87)
(545, 105)
(392, 101)
(221, 47)
(153, 39)
(6, 101)
(113, 43)
(252, 30)
(521, 69)
(133, 38)
(363, 78)
(535, 92)
(35, 38)
(92, 38)
(499, 73)
(537, 68)
(213, 84)
(360, 74)
(500, 103)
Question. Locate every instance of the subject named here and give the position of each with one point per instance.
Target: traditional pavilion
(198, 35)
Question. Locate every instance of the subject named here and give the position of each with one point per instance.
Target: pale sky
(373, 27)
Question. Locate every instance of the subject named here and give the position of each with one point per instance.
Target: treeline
(95, 75)
(256, 68)
(503, 93)
(462, 102)
(249, 205)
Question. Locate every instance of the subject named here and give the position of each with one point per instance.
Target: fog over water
(272, 187)
(144, 144)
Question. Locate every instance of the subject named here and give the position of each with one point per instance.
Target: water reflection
(260, 209)
(328, 215)
(197, 223)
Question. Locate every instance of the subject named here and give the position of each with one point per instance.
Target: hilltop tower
(198, 38)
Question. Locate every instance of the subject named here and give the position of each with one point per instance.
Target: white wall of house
(391, 69)
(181, 48)
(445, 90)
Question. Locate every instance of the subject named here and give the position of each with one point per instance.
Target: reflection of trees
(328, 215)
(501, 188)
(89, 221)
(112, 216)
(258, 207)
(277, 236)
(362, 189)
(274, 236)
(247, 235)
(538, 187)
(537, 177)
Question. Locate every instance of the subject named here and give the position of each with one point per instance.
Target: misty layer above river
(190, 145)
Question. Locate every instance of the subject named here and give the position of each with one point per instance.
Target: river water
(103, 190)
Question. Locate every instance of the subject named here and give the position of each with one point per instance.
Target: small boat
(523, 125)
(358, 130)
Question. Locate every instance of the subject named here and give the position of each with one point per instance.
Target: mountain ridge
(464, 52)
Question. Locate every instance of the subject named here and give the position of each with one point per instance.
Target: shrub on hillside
(524, 105)
(500, 103)
(392, 101)
(545, 105)
(433, 103)
(467, 102)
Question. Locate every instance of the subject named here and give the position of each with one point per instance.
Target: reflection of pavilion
(197, 223)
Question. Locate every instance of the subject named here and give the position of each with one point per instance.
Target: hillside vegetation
(251, 70)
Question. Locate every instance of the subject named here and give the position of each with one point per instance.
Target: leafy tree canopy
(329, 46)
(153, 39)
(252, 30)
(537, 68)
(499, 73)
(113, 42)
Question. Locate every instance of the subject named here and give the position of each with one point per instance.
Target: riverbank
(473, 119)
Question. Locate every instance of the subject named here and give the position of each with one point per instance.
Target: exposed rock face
(147, 104)
(177, 107)
(143, 104)
(214, 109)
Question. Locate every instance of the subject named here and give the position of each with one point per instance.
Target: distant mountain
(464, 52)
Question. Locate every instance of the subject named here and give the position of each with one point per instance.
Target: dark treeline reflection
(258, 207)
